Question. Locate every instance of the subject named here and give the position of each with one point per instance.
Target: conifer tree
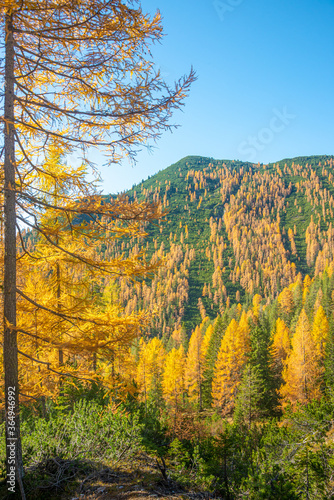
(285, 300)
(259, 362)
(78, 72)
(250, 397)
(173, 377)
(320, 331)
(194, 368)
(75, 330)
(232, 356)
(219, 328)
(302, 375)
(206, 341)
(207, 372)
(280, 349)
(150, 368)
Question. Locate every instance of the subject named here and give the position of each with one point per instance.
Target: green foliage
(251, 396)
(88, 432)
(260, 362)
(180, 456)
(153, 430)
(76, 390)
(175, 184)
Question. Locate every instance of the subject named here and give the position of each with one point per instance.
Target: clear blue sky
(265, 88)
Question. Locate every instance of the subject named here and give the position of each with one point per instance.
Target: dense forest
(218, 360)
(233, 230)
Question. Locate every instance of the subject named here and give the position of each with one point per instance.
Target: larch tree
(302, 374)
(206, 341)
(232, 357)
(194, 368)
(320, 333)
(206, 371)
(173, 377)
(88, 325)
(280, 348)
(78, 72)
(150, 367)
(211, 352)
(285, 300)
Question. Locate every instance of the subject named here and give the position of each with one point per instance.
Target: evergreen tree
(251, 395)
(279, 351)
(259, 361)
(210, 359)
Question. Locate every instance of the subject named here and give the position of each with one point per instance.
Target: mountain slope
(233, 229)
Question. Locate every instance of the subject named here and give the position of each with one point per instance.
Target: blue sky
(265, 82)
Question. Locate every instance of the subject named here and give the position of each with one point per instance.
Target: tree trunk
(60, 351)
(13, 441)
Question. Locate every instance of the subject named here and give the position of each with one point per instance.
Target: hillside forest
(205, 329)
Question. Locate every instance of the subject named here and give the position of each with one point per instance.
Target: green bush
(88, 432)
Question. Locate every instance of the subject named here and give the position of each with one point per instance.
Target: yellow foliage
(194, 367)
(285, 299)
(302, 375)
(206, 341)
(281, 346)
(256, 304)
(150, 365)
(232, 356)
(173, 376)
(64, 327)
(320, 331)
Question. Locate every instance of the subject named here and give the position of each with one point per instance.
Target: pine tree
(206, 341)
(259, 362)
(232, 356)
(250, 397)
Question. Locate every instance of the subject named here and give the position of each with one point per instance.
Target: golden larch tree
(206, 341)
(68, 322)
(79, 72)
(150, 366)
(280, 347)
(320, 331)
(173, 385)
(231, 359)
(194, 367)
(302, 374)
(285, 300)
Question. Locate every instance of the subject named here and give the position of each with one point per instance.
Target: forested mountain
(232, 230)
(221, 364)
